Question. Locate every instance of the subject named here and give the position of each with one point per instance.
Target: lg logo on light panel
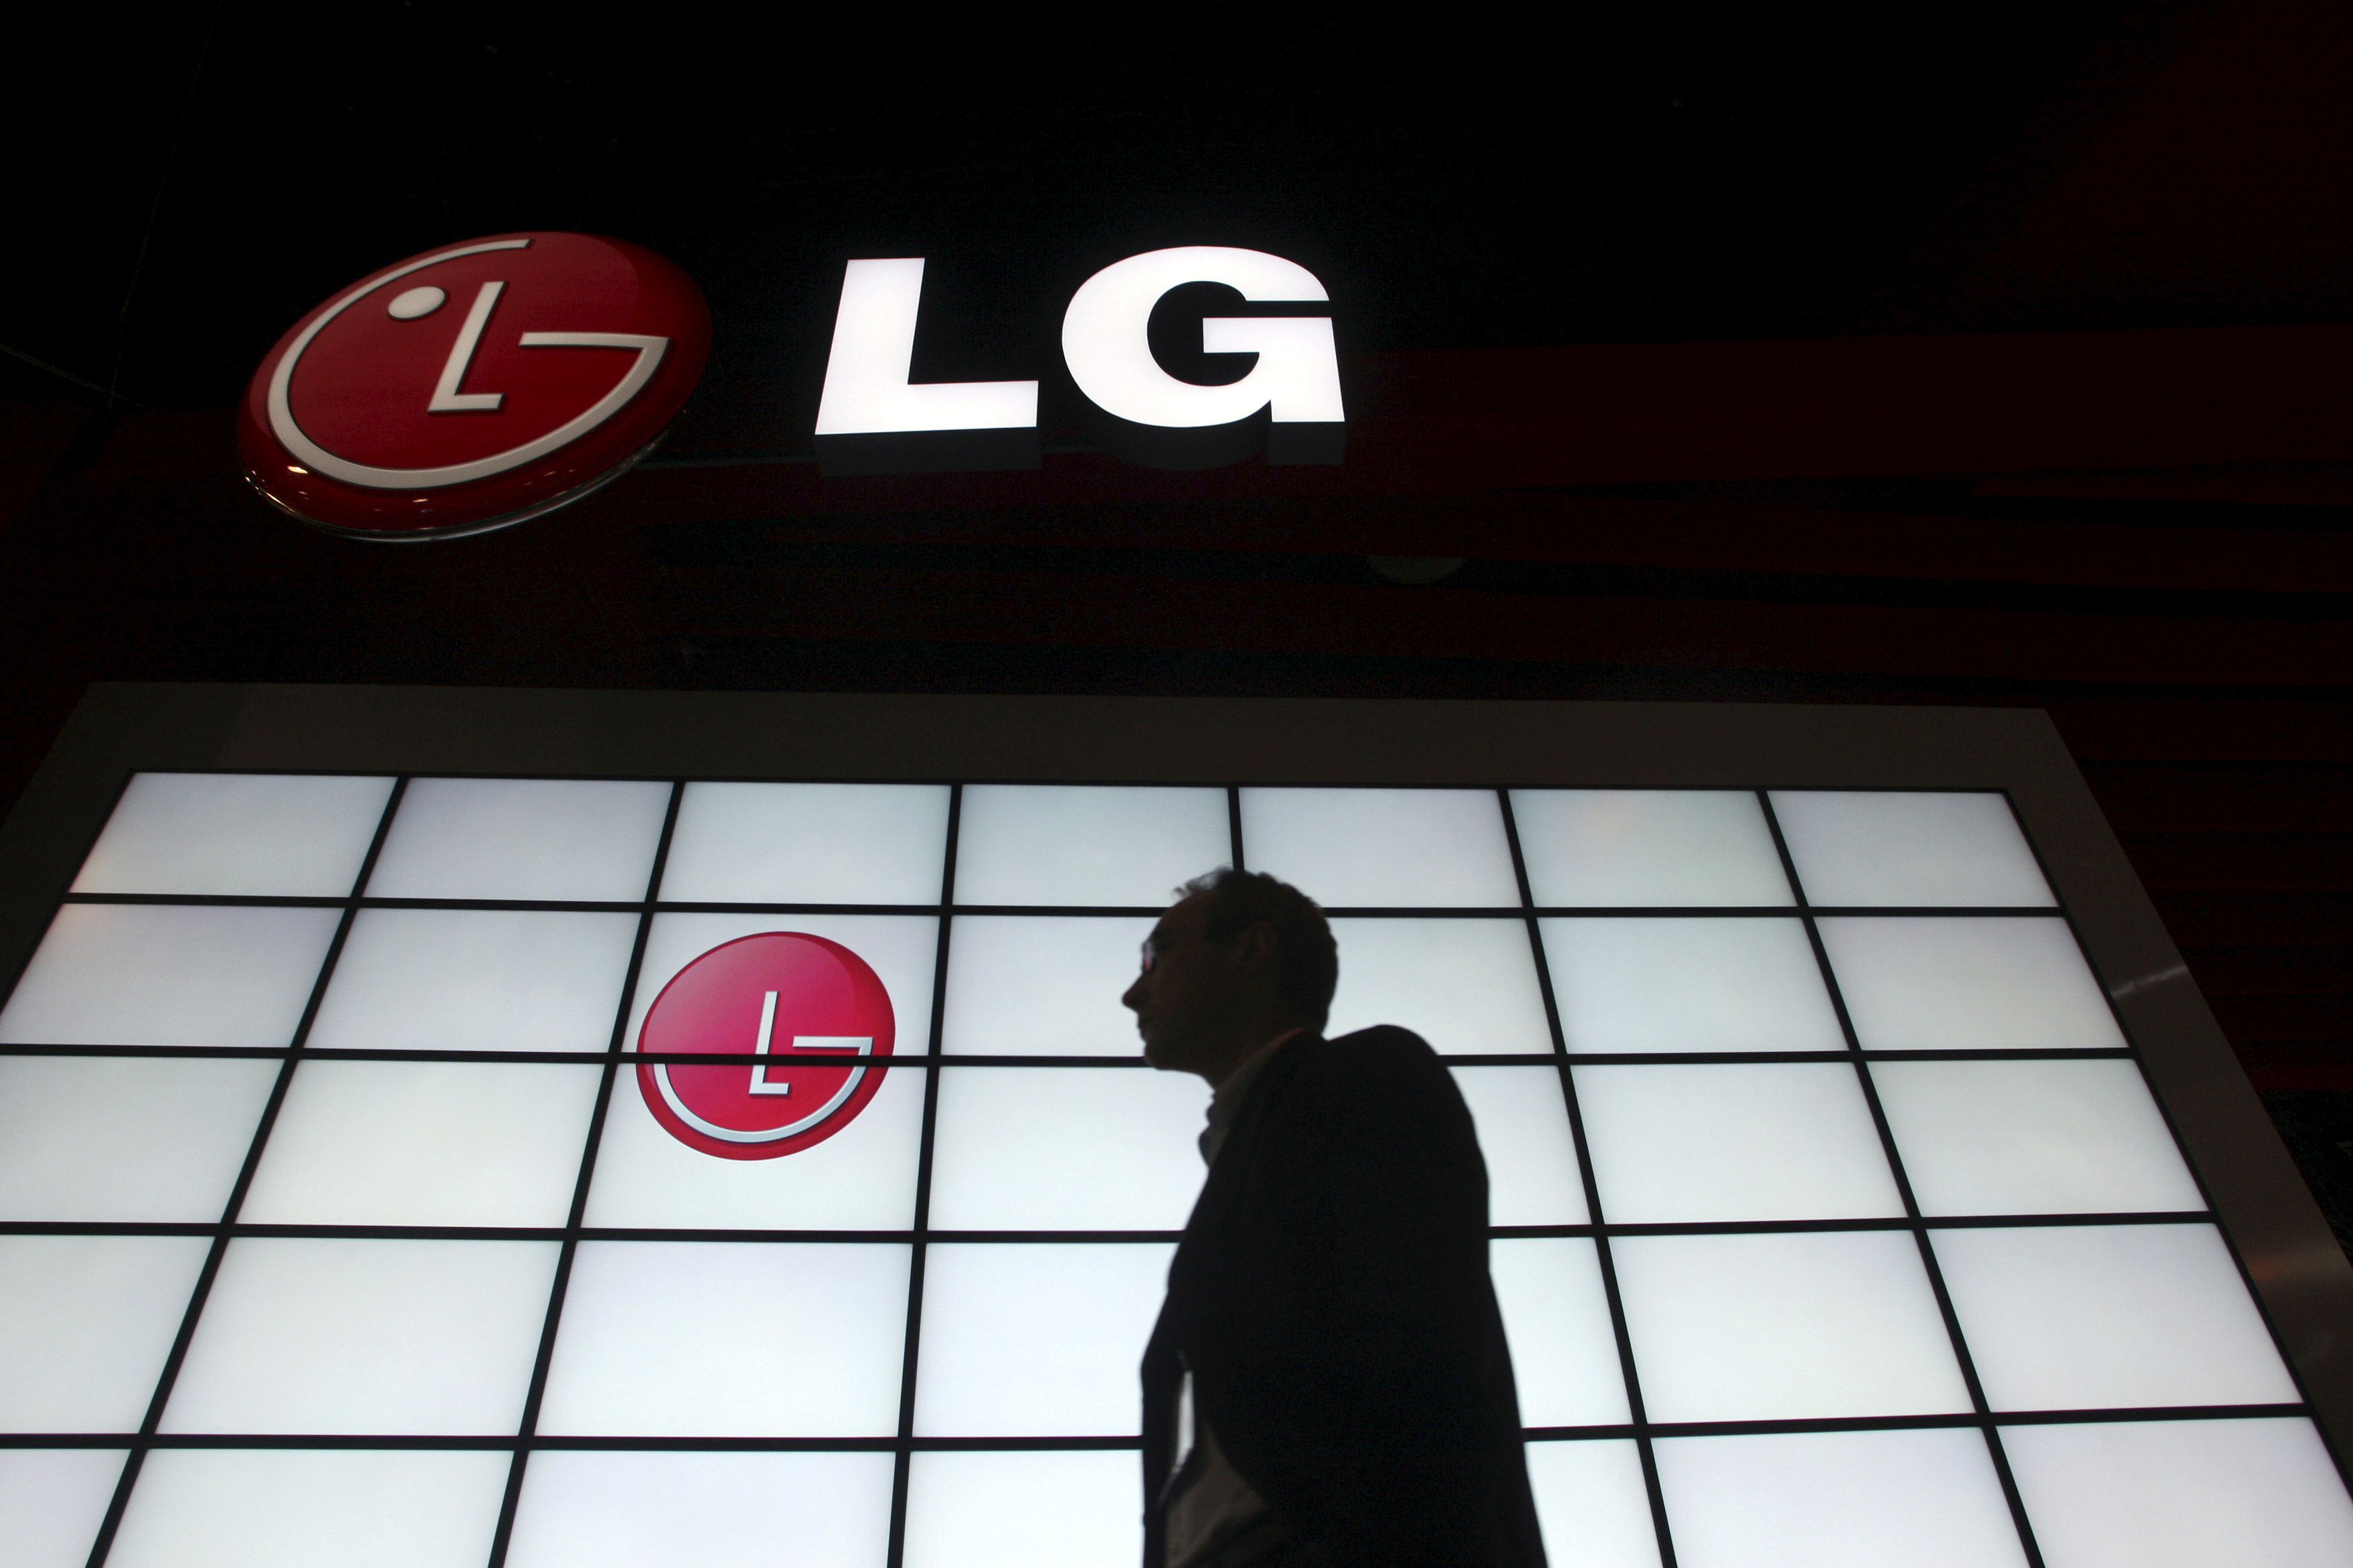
(474, 386)
(1144, 412)
(812, 1017)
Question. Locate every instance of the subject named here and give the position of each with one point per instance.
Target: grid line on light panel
(133, 1462)
(1654, 1495)
(1982, 1408)
(1339, 911)
(534, 1397)
(2106, 1415)
(1641, 1432)
(916, 1063)
(1621, 1230)
(910, 1367)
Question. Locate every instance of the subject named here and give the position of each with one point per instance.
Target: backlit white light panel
(611, 1173)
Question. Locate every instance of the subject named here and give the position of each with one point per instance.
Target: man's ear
(1256, 946)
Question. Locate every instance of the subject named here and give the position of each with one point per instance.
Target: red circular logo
(812, 1007)
(474, 385)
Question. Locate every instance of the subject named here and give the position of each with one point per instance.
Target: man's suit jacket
(1332, 1301)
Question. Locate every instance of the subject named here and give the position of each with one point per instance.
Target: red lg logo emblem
(472, 387)
(811, 1007)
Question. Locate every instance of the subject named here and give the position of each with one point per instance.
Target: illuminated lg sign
(474, 386)
(809, 1015)
(1143, 411)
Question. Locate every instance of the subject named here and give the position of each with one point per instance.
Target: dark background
(2085, 189)
(1677, 173)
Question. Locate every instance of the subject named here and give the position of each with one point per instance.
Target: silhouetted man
(1328, 1384)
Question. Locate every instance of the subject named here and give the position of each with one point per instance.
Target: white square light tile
(1557, 1317)
(902, 950)
(476, 980)
(1066, 1149)
(2078, 1317)
(1372, 848)
(1914, 848)
(2181, 1494)
(1838, 1499)
(1087, 845)
(157, 974)
(1790, 1327)
(1662, 984)
(1954, 983)
(308, 1507)
(1467, 987)
(1023, 1510)
(318, 1335)
(807, 844)
(1042, 985)
(126, 1139)
(276, 835)
(1734, 1140)
(701, 1510)
(1618, 848)
(676, 1339)
(1591, 1504)
(861, 1178)
(425, 1143)
(1035, 1340)
(85, 1324)
(51, 1500)
(1522, 1117)
(2034, 1137)
(589, 839)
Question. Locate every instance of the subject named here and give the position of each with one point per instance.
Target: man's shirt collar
(1227, 1100)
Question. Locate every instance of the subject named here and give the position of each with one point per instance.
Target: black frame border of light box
(125, 742)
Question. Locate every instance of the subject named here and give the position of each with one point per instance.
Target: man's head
(1239, 958)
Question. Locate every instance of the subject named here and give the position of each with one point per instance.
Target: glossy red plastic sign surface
(474, 385)
(812, 1017)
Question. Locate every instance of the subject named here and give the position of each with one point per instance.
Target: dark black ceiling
(1650, 173)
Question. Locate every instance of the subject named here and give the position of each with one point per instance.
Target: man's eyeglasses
(1151, 954)
(1154, 945)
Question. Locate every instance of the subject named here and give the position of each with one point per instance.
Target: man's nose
(1134, 999)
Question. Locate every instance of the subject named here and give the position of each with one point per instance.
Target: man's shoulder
(1389, 1041)
(1384, 1054)
(1383, 1086)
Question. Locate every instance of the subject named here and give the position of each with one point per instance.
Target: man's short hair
(1235, 900)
